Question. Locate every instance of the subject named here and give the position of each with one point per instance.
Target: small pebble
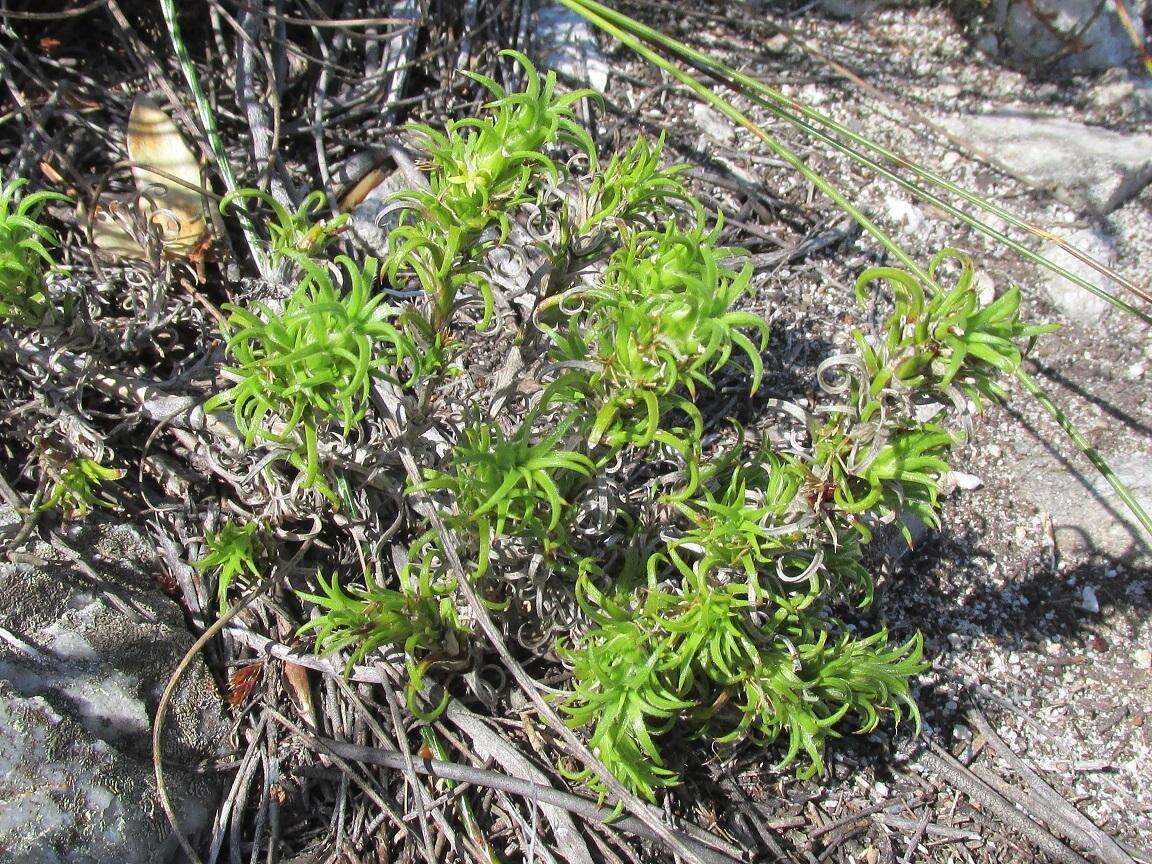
(1088, 601)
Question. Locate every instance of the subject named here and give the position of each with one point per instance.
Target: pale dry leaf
(301, 690)
(111, 221)
(360, 189)
(167, 176)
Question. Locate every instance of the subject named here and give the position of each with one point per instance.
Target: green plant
(24, 253)
(657, 326)
(508, 485)
(695, 659)
(880, 161)
(634, 188)
(76, 487)
(291, 233)
(938, 341)
(711, 596)
(479, 171)
(363, 620)
(231, 554)
(312, 362)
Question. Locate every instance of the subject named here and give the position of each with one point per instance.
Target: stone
(1088, 518)
(374, 218)
(1076, 302)
(1092, 166)
(953, 480)
(1121, 89)
(1072, 35)
(1088, 600)
(79, 684)
(713, 123)
(567, 43)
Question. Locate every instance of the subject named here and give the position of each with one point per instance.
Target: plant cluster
(705, 595)
(77, 487)
(312, 362)
(291, 233)
(230, 554)
(25, 254)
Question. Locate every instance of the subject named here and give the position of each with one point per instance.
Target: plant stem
(1064, 421)
(208, 120)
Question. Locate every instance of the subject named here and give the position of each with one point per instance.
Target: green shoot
(311, 363)
(231, 554)
(291, 233)
(24, 253)
(76, 488)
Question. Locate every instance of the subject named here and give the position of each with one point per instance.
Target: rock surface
(1075, 35)
(1092, 166)
(1088, 518)
(79, 684)
(567, 43)
(374, 218)
(1074, 301)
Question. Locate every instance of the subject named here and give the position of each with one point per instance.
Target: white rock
(1142, 658)
(1124, 90)
(567, 43)
(967, 482)
(1043, 31)
(778, 44)
(1074, 301)
(1088, 518)
(1088, 601)
(1093, 166)
(985, 287)
(904, 213)
(713, 123)
(79, 683)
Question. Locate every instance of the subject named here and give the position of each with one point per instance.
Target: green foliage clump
(76, 487)
(654, 329)
(700, 658)
(479, 171)
(509, 486)
(708, 593)
(943, 341)
(291, 233)
(231, 554)
(363, 620)
(25, 255)
(312, 362)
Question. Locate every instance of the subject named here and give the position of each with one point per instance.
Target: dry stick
(583, 807)
(267, 161)
(963, 779)
(862, 813)
(493, 745)
(526, 683)
(5, 12)
(1054, 809)
(917, 836)
(162, 708)
(342, 764)
(409, 771)
(455, 712)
